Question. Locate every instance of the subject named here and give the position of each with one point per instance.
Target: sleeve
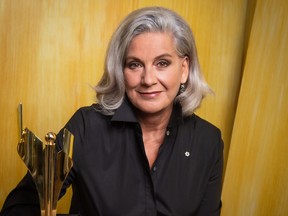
(23, 200)
(211, 202)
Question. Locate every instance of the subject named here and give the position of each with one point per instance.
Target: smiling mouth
(150, 94)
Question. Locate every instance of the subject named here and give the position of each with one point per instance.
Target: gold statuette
(47, 167)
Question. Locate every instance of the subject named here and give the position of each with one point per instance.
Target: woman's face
(153, 72)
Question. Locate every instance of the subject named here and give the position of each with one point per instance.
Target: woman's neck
(153, 129)
(154, 121)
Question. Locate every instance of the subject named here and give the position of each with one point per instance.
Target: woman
(141, 150)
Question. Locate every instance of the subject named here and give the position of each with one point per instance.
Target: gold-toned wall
(257, 169)
(52, 53)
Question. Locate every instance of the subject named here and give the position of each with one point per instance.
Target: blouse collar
(126, 113)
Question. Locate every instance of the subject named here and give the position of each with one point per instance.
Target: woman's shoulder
(87, 115)
(206, 135)
(92, 110)
(203, 126)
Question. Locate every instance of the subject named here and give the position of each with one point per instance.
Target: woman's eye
(133, 65)
(163, 64)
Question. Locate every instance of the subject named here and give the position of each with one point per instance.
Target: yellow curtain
(52, 53)
(257, 172)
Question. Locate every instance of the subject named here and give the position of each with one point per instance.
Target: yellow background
(52, 54)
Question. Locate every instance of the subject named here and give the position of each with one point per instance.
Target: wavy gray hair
(110, 91)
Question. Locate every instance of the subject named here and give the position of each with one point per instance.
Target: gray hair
(110, 91)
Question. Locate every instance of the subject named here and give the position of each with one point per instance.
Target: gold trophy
(48, 168)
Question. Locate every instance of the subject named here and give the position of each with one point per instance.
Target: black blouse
(111, 175)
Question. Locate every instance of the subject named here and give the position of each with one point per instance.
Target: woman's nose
(148, 77)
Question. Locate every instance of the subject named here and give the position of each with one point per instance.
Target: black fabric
(111, 174)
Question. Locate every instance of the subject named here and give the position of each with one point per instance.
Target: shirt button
(168, 132)
(154, 168)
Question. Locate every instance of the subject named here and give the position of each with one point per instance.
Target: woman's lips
(150, 94)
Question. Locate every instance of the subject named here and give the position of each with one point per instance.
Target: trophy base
(53, 213)
(68, 215)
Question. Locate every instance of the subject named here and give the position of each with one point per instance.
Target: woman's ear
(185, 69)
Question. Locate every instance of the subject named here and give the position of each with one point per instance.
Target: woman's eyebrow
(157, 57)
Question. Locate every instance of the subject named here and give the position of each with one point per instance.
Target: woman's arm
(211, 203)
(23, 200)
